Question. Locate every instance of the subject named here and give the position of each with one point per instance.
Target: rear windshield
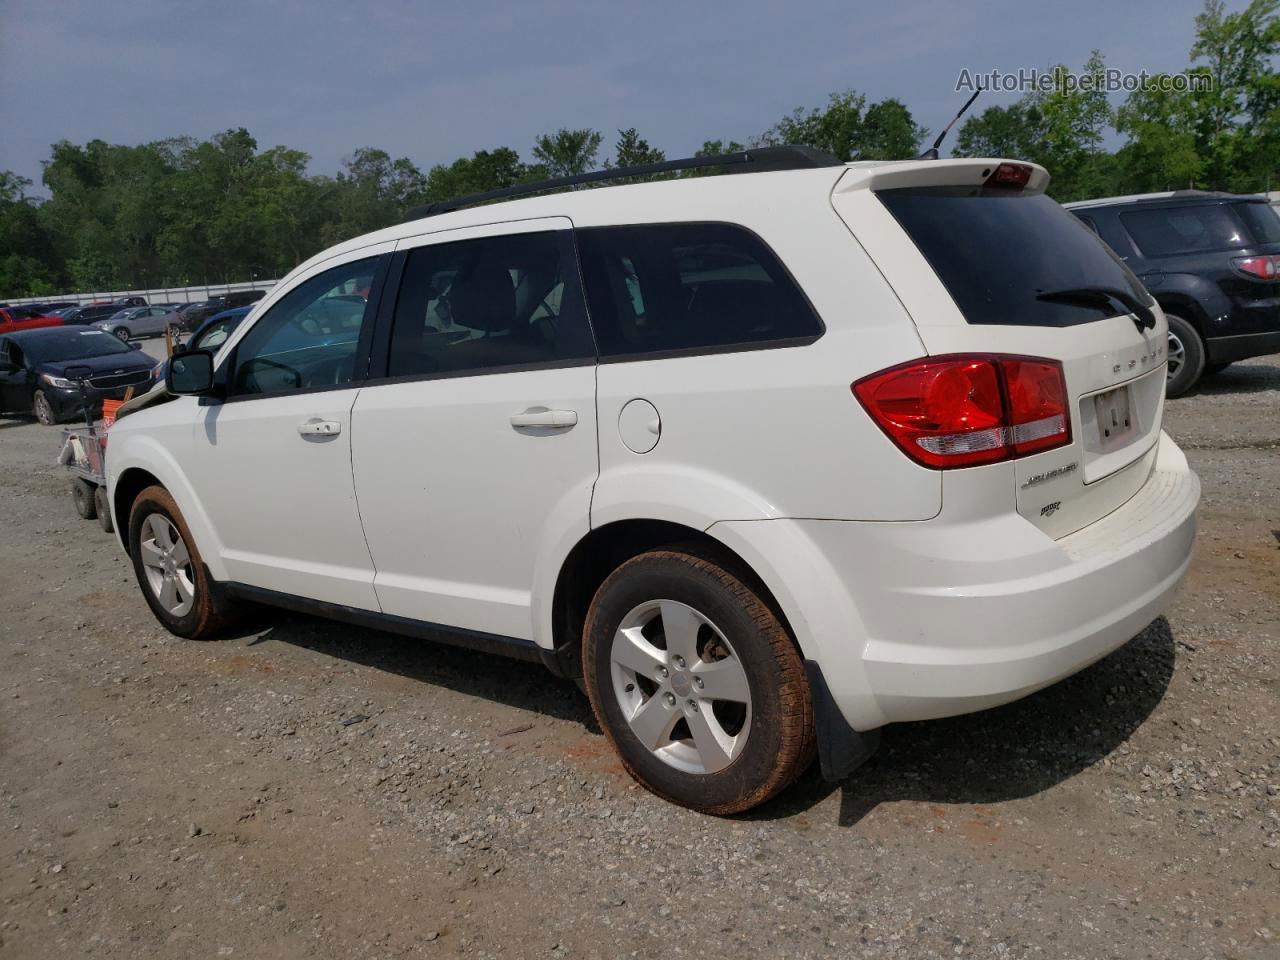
(1170, 231)
(997, 251)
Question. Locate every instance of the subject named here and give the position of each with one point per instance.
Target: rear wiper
(1144, 317)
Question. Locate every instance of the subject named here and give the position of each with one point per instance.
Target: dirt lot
(304, 789)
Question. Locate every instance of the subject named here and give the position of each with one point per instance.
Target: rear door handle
(541, 417)
(319, 428)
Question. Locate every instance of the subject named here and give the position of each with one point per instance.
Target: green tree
(632, 150)
(566, 153)
(849, 130)
(483, 171)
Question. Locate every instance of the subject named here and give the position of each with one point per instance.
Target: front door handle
(319, 428)
(542, 417)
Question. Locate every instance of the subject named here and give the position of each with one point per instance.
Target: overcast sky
(435, 80)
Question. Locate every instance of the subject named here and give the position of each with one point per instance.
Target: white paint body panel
(920, 593)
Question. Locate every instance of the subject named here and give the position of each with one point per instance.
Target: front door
(478, 447)
(274, 459)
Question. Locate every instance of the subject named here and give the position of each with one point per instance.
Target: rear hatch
(985, 262)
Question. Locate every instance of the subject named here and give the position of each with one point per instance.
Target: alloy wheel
(167, 565)
(681, 686)
(1177, 356)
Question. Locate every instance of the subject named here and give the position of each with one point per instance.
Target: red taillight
(1009, 176)
(967, 409)
(1257, 268)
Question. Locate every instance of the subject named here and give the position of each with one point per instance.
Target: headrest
(483, 298)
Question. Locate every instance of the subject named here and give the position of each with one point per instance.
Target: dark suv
(1211, 260)
(198, 313)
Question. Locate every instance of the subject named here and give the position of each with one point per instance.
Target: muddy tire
(103, 509)
(1185, 357)
(696, 683)
(170, 572)
(82, 493)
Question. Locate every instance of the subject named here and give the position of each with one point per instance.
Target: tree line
(184, 211)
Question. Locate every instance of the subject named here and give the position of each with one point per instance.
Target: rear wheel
(696, 683)
(122, 333)
(1185, 357)
(103, 509)
(173, 578)
(82, 492)
(42, 409)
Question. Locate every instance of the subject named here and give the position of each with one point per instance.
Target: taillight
(966, 409)
(1257, 268)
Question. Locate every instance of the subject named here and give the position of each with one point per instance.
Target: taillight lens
(1009, 176)
(968, 409)
(1257, 268)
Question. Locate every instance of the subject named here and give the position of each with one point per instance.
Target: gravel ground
(313, 790)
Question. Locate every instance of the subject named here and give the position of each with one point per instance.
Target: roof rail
(760, 160)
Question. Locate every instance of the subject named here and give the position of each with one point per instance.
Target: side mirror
(190, 374)
(135, 345)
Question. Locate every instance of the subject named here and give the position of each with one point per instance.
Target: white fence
(157, 295)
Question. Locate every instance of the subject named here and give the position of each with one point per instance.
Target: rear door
(475, 452)
(1007, 270)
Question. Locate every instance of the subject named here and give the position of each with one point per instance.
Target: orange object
(109, 408)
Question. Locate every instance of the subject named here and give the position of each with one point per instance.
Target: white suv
(765, 461)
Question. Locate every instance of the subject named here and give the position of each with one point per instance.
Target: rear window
(659, 288)
(996, 251)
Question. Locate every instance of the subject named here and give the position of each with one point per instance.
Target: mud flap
(841, 749)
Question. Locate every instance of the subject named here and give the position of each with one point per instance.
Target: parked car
(34, 364)
(1211, 260)
(134, 301)
(196, 314)
(138, 322)
(841, 446)
(13, 319)
(95, 312)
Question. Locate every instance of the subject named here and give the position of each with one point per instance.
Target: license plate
(1115, 418)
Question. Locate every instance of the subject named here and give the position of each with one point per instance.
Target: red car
(13, 319)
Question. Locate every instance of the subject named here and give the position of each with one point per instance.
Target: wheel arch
(128, 485)
(601, 551)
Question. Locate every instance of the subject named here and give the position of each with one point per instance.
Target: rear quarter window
(1171, 231)
(689, 288)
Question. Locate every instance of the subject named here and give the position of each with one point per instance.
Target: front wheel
(174, 580)
(42, 409)
(122, 333)
(696, 683)
(1185, 357)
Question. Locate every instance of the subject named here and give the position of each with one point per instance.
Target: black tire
(1189, 359)
(103, 509)
(780, 741)
(1213, 369)
(211, 608)
(42, 409)
(82, 492)
(122, 333)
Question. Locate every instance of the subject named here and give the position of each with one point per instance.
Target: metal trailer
(84, 454)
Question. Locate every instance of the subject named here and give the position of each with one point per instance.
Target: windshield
(997, 251)
(73, 345)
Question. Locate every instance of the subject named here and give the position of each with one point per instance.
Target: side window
(493, 302)
(688, 286)
(309, 338)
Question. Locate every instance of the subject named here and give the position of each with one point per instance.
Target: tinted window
(1168, 231)
(996, 251)
(309, 338)
(688, 286)
(492, 302)
(1261, 220)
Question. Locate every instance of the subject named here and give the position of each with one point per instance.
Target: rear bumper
(1242, 347)
(914, 621)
